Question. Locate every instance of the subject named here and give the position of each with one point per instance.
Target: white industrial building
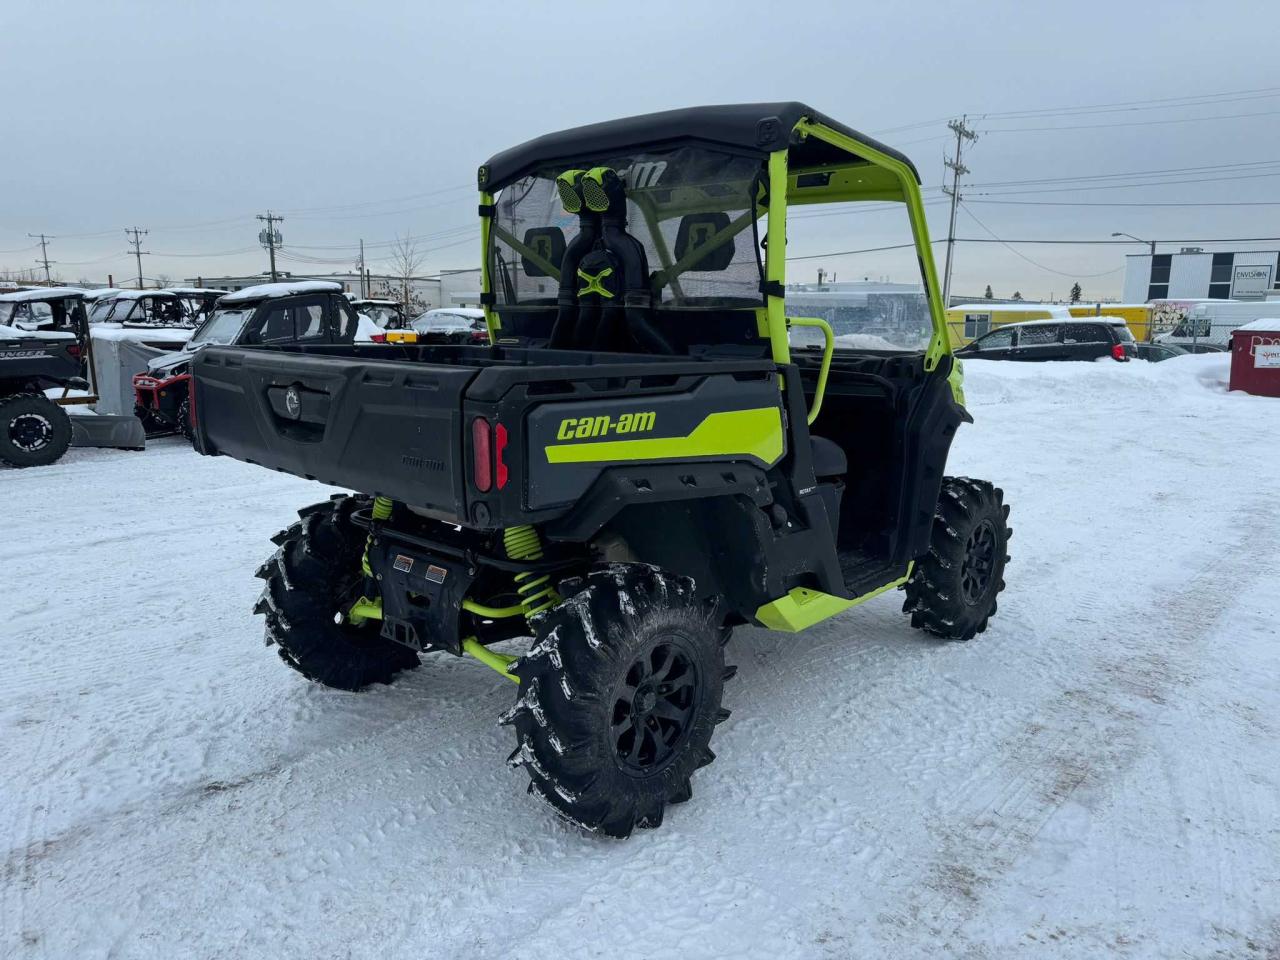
(1196, 274)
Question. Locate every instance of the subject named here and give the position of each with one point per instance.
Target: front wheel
(953, 588)
(34, 431)
(619, 696)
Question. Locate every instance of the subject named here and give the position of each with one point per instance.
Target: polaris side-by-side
(43, 344)
(636, 464)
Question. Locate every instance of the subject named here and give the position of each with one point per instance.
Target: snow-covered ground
(1095, 776)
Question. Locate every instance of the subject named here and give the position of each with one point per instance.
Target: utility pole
(268, 236)
(363, 293)
(961, 129)
(44, 254)
(135, 241)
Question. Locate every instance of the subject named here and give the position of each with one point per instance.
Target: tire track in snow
(1088, 733)
(19, 870)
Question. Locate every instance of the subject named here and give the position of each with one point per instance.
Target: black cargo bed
(390, 419)
(337, 418)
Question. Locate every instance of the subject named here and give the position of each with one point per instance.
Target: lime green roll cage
(868, 175)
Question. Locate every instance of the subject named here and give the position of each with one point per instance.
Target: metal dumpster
(1255, 357)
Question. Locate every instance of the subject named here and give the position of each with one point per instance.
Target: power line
(1159, 103)
(846, 253)
(1129, 186)
(1034, 263)
(1170, 171)
(1121, 242)
(1135, 123)
(295, 211)
(1132, 203)
(219, 253)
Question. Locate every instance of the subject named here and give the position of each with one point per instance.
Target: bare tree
(406, 258)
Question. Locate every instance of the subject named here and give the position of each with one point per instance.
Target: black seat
(604, 301)
(828, 458)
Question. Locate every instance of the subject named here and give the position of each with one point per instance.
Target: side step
(864, 572)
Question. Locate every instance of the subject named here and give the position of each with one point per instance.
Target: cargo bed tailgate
(392, 427)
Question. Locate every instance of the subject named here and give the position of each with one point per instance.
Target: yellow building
(968, 321)
(1137, 316)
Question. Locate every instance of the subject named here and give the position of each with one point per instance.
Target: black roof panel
(754, 127)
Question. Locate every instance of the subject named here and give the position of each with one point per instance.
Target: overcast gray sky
(368, 120)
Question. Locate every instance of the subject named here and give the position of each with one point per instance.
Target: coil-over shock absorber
(381, 511)
(536, 592)
(536, 595)
(368, 605)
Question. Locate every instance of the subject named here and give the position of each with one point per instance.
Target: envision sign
(1250, 282)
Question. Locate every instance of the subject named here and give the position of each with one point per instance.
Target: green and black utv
(635, 465)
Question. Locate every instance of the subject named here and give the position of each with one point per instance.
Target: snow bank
(994, 381)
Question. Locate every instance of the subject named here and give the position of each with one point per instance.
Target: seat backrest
(605, 297)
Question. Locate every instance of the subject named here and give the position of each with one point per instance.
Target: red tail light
(499, 448)
(73, 349)
(479, 336)
(1117, 351)
(482, 454)
(378, 337)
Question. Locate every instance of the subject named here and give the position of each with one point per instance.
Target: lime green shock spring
(381, 511)
(536, 592)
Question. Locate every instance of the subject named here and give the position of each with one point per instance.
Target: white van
(1212, 321)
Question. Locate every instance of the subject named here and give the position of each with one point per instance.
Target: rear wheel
(953, 588)
(619, 696)
(34, 431)
(312, 580)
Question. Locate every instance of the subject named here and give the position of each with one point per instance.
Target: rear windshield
(26, 311)
(379, 314)
(447, 321)
(690, 209)
(1123, 333)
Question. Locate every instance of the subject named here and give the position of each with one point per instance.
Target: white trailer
(1211, 321)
